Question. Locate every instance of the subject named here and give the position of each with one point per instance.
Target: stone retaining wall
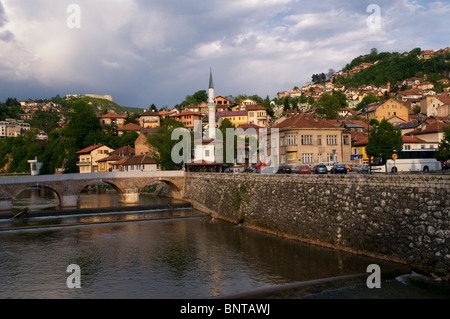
(403, 218)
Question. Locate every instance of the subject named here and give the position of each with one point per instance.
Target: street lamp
(365, 112)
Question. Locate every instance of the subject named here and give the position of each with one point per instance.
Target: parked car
(285, 169)
(301, 169)
(320, 169)
(338, 169)
(267, 170)
(304, 169)
(364, 169)
(349, 167)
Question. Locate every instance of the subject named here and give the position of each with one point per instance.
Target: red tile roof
(124, 150)
(130, 127)
(188, 113)
(89, 149)
(304, 120)
(136, 160)
(434, 127)
(112, 115)
(232, 113)
(254, 107)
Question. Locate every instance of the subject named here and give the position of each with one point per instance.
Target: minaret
(211, 108)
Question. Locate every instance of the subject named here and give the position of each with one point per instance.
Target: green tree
(384, 141)
(24, 148)
(443, 152)
(82, 131)
(161, 144)
(328, 105)
(46, 121)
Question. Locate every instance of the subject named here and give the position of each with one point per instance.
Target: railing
(89, 176)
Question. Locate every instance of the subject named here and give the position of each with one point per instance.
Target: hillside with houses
(325, 120)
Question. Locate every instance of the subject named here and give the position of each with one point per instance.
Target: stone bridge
(68, 186)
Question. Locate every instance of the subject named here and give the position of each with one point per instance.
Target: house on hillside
(388, 109)
(112, 119)
(130, 127)
(425, 86)
(235, 117)
(257, 115)
(222, 104)
(149, 119)
(88, 158)
(188, 118)
(440, 106)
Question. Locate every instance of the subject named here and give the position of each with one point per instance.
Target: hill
(103, 106)
(396, 67)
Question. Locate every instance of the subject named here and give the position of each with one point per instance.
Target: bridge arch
(175, 188)
(44, 193)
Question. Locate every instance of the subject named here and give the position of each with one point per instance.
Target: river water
(174, 254)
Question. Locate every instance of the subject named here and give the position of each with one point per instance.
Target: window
(319, 139)
(307, 139)
(332, 157)
(407, 147)
(332, 139)
(290, 140)
(346, 140)
(307, 158)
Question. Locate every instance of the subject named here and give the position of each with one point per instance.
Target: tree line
(59, 151)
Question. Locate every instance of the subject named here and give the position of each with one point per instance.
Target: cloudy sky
(158, 51)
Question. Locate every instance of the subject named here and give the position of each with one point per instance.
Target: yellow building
(388, 109)
(305, 139)
(257, 115)
(188, 119)
(235, 117)
(113, 119)
(149, 119)
(88, 158)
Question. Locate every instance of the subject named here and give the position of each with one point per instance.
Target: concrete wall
(403, 218)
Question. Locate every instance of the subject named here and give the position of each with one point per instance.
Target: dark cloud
(143, 52)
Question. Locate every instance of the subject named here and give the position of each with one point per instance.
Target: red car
(304, 169)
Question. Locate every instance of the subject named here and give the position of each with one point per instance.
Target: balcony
(84, 163)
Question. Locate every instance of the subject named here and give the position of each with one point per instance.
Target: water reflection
(177, 258)
(36, 198)
(157, 254)
(41, 198)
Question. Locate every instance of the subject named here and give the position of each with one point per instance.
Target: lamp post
(365, 112)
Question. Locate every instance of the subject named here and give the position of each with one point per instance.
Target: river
(176, 253)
